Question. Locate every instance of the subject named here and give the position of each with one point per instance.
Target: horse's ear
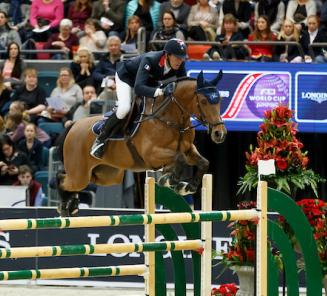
(217, 79)
(200, 80)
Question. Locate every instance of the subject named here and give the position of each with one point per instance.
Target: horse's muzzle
(218, 134)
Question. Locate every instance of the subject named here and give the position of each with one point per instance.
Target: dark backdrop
(227, 163)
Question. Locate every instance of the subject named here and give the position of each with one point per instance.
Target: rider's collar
(167, 67)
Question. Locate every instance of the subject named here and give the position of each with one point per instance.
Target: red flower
(250, 254)
(282, 164)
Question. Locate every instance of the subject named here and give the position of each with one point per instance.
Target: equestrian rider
(143, 73)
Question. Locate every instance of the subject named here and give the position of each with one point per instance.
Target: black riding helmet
(176, 47)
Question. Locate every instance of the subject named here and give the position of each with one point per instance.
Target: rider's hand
(168, 90)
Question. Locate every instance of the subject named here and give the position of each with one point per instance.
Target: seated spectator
(274, 10)
(4, 97)
(94, 39)
(106, 68)
(79, 11)
(64, 40)
(181, 11)
(110, 10)
(241, 10)
(32, 147)
(289, 53)
(67, 91)
(25, 178)
(13, 67)
(167, 31)
(20, 13)
(80, 109)
(31, 94)
(15, 123)
(262, 32)
(10, 160)
(148, 12)
(7, 35)
(130, 39)
(229, 33)
(202, 21)
(82, 67)
(299, 10)
(313, 35)
(45, 17)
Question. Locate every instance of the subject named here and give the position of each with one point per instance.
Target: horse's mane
(185, 78)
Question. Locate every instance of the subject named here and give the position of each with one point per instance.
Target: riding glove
(168, 90)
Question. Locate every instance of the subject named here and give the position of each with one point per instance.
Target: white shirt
(313, 35)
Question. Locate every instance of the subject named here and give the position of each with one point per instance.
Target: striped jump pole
(74, 272)
(73, 250)
(140, 219)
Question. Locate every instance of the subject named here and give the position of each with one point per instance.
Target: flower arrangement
(242, 248)
(316, 213)
(225, 290)
(277, 140)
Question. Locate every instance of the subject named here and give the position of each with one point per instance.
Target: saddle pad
(131, 128)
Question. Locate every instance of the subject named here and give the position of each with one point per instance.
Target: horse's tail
(60, 142)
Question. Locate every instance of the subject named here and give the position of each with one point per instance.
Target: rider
(143, 73)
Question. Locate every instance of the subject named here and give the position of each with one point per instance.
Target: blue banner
(248, 89)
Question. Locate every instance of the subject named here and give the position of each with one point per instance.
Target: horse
(164, 140)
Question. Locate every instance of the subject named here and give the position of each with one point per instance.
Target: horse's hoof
(184, 188)
(72, 206)
(164, 180)
(62, 210)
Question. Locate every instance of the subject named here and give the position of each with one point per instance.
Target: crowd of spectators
(83, 31)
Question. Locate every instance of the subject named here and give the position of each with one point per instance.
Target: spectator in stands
(94, 39)
(313, 35)
(299, 10)
(202, 21)
(67, 91)
(262, 32)
(289, 53)
(64, 40)
(13, 66)
(15, 123)
(80, 109)
(130, 39)
(82, 67)
(78, 13)
(10, 160)
(31, 94)
(20, 21)
(242, 11)
(105, 70)
(147, 10)
(181, 11)
(7, 35)
(167, 31)
(46, 14)
(323, 17)
(4, 97)
(274, 10)
(112, 10)
(32, 147)
(229, 33)
(25, 178)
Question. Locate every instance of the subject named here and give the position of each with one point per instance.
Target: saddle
(129, 126)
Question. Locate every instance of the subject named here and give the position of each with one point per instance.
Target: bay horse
(164, 139)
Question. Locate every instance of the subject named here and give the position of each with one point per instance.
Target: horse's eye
(204, 101)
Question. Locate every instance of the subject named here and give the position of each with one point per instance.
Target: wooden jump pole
(106, 221)
(74, 272)
(73, 250)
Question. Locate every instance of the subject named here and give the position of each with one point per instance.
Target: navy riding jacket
(144, 72)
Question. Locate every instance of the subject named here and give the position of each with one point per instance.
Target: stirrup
(97, 150)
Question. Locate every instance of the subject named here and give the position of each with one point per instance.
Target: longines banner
(248, 89)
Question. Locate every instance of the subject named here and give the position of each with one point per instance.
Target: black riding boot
(99, 146)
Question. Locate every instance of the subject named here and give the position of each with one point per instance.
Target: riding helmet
(176, 47)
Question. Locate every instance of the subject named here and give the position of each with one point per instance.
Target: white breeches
(124, 97)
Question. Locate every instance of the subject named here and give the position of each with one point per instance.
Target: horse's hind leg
(68, 192)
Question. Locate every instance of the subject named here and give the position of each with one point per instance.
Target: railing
(46, 51)
(241, 43)
(316, 44)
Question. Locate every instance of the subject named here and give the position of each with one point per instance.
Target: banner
(249, 89)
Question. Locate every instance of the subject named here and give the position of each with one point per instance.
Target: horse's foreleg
(193, 158)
